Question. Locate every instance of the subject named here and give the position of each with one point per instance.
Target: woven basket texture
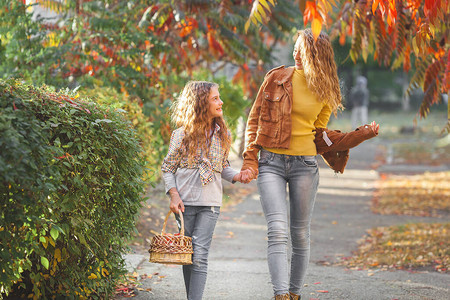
(167, 248)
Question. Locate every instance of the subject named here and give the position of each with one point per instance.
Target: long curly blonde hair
(191, 111)
(320, 68)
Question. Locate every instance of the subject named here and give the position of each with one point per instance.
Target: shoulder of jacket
(274, 70)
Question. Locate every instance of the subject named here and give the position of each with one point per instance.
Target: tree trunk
(405, 98)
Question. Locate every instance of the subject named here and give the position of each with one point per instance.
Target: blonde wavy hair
(191, 111)
(320, 68)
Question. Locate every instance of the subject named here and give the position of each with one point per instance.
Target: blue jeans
(199, 223)
(302, 175)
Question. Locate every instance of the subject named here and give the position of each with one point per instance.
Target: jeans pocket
(264, 157)
(310, 161)
(215, 210)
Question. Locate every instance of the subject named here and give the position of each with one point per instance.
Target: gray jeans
(302, 175)
(199, 223)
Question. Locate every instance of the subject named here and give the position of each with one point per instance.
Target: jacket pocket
(268, 129)
(270, 108)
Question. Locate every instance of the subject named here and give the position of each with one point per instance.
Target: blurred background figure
(359, 99)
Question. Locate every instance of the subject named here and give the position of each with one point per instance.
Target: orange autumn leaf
(316, 27)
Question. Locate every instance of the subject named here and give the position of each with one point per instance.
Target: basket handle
(167, 218)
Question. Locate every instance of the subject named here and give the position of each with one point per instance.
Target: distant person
(359, 99)
(193, 170)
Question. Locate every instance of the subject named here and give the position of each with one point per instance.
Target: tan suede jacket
(269, 124)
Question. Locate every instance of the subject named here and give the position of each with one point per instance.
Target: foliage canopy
(145, 50)
(393, 31)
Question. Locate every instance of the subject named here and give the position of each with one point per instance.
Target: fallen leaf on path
(403, 247)
(423, 195)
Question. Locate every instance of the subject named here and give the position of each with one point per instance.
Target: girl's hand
(176, 204)
(375, 127)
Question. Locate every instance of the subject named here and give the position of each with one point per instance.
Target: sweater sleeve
(228, 173)
(169, 180)
(323, 117)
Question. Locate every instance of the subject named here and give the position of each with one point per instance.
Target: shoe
(293, 296)
(282, 297)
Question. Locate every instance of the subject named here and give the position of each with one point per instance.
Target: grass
(411, 246)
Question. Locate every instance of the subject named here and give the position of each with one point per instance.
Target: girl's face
(296, 55)
(214, 103)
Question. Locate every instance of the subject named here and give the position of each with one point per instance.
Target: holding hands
(176, 204)
(245, 176)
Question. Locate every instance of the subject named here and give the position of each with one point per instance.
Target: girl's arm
(173, 157)
(229, 174)
(169, 167)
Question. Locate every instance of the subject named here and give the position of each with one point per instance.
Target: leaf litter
(414, 246)
(425, 195)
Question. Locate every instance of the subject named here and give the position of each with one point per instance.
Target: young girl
(193, 169)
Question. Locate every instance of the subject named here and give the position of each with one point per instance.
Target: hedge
(111, 98)
(70, 190)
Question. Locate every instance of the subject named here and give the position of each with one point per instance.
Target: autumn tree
(146, 50)
(398, 33)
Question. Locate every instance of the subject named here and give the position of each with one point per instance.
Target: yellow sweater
(307, 114)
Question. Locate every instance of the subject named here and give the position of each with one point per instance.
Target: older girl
(291, 103)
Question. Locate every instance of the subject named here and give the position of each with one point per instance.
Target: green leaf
(54, 233)
(44, 262)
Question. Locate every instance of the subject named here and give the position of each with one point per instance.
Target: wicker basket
(167, 248)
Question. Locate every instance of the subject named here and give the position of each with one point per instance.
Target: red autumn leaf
(214, 44)
(310, 12)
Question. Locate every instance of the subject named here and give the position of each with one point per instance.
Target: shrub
(133, 106)
(70, 189)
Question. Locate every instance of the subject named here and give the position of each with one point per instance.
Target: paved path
(238, 267)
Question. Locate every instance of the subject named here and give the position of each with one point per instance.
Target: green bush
(70, 189)
(133, 106)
